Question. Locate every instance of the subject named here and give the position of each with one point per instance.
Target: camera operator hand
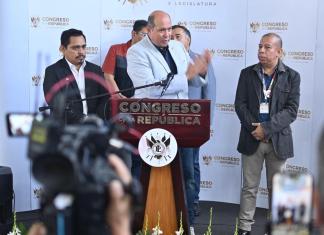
(37, 229)
(118, 211)
(118, 217)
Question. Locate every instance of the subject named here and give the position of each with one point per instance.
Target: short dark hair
(139, 25)
(67, 34)
(274, 35)
(187, 32)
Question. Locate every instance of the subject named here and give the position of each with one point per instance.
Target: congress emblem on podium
(158, 147)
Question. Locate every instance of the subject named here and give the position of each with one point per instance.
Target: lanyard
(267, 92)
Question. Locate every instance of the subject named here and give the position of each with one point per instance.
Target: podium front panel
(187, 120)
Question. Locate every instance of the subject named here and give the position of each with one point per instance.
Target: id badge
(264, 108)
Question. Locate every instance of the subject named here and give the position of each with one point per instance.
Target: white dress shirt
(80, 80)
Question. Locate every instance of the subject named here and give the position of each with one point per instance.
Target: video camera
(70, 161)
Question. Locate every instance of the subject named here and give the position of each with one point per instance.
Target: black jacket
(60, 71)
(283, 109)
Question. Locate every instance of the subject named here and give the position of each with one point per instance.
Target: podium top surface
(187, 120)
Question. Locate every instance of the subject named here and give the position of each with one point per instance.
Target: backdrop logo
(304, 114)
(202, 25)
(211, 132)
(34, 21)
(183, 23)
(199, 25)
(157, 147)
(92, 50)
(207, 160)
(206, 184)
(269, 26)
(223, 160)
(37, 192)
(227, 160)
(212, 52)
(192, 3)
(254, 27)
(263, 192)
(36, 80)
(108, 23)
(124, 23)
(302, 56)
(133, 1)
(230, 53)
(225, 107)
(55, 21)
(296, 169)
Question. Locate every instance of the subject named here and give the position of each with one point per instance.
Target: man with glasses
(115, 72)
(73, 73)
(153, 59)
(115, 64)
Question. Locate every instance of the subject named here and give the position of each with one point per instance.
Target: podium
(163, 187)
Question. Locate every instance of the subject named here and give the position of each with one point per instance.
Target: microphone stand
(163, 83)
(167, 83)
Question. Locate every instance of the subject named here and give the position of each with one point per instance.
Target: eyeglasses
(142, 34)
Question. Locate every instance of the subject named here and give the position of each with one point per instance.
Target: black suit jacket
(61, 70)
(283, 109)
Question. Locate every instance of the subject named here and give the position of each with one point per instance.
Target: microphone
(166, 83)
(43, 108)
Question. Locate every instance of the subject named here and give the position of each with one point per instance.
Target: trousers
(252, 167)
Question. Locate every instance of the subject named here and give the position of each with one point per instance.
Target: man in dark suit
(266, 102)
(203, 87)
(77, 78)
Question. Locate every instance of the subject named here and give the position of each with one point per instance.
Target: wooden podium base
(164, 193)
(160, 200)
(163, 188)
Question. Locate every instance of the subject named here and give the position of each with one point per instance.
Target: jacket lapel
(282, 78)
(64, 72)
(158, 56)
(175, 55)
(256, 82)
(89, 85)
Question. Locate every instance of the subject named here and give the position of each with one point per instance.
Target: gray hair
(274, 35)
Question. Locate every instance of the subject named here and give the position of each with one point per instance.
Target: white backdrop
(231, 29)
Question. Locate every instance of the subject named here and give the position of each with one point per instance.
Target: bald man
(152, 60)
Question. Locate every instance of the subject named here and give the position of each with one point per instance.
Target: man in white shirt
(76, 79)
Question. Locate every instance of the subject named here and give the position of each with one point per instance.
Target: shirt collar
(160, 49)
(269, 75)
(73, 67)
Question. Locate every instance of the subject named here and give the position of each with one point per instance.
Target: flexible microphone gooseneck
(167, 83)
(164, 83)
